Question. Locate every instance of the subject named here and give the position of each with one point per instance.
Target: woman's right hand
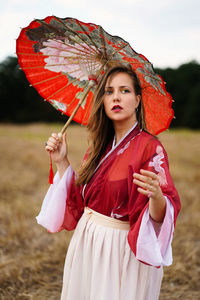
(58, 148)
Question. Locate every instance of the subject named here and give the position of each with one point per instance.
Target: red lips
(116, 107)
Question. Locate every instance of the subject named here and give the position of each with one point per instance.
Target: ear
(138, 99)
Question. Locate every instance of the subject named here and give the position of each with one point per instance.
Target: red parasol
(65, 58)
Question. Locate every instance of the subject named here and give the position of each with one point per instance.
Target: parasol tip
(174, 117)
(173, 100)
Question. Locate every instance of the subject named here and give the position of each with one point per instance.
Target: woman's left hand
(148, 184)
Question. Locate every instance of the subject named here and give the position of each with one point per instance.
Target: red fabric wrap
(111, 190)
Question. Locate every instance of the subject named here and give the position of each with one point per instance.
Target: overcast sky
(167, 32)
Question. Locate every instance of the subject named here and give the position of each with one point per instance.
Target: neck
(121, 130)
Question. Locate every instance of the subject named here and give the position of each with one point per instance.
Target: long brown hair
(100, 127)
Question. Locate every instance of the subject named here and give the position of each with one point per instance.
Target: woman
(122, 204)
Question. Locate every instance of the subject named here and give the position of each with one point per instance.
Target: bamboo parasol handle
(75, 110)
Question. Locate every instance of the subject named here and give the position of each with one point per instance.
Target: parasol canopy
(65, 58)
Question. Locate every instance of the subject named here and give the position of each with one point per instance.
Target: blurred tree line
(22, 103)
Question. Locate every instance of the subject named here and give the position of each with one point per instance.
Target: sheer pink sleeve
(53, 207)
(154, 239)
(149, 243)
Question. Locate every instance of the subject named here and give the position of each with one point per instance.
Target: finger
(64, 137)
(60, 136)
(55, 135)
(148, 173)
(53, 141)
(144, 192)
(52, 147)
(52, 144)
(144, 185)
(49, 149)
(142, 177)
(153, 178)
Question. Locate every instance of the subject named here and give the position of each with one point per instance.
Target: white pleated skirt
(101, 266)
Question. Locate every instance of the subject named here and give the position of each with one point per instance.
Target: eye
(108, 92)
(124, 91)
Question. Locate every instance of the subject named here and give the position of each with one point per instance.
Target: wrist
(157, 208)
(62, 164)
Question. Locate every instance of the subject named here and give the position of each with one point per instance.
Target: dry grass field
(31, 259)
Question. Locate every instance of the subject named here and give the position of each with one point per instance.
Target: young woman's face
(120, 100)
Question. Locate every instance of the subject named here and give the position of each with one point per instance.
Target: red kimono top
(111, 190)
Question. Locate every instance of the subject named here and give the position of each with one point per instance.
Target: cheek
(105, 104)
(133, 103)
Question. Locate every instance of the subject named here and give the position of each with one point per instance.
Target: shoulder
(148, 139)
(150, 144)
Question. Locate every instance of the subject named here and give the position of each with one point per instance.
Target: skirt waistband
(103, 220)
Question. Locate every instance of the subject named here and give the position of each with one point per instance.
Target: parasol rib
(30, 54)
(65, 86)
(68, 105)
(73, 47)
(53, 55)
(36, 42)
(49, 25)
(103, 42)
(158, 119)
(158, 103)
(88, 36)
(76, 109)
(53, 65)
(76, 33)
(59, 31)
(67, 50)
(49, 79)
(150, 74)
(152, 130)
(80, 44)
(87, 110)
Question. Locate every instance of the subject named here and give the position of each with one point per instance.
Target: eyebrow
(122, 86)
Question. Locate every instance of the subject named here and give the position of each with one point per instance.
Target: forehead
(122, 79)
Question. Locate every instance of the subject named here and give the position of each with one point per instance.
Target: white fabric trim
(154, 244)
(52, 211)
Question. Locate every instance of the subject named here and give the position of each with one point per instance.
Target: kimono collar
(114, 139)
(125, 139)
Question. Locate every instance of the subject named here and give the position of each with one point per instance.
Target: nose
(116, 96)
